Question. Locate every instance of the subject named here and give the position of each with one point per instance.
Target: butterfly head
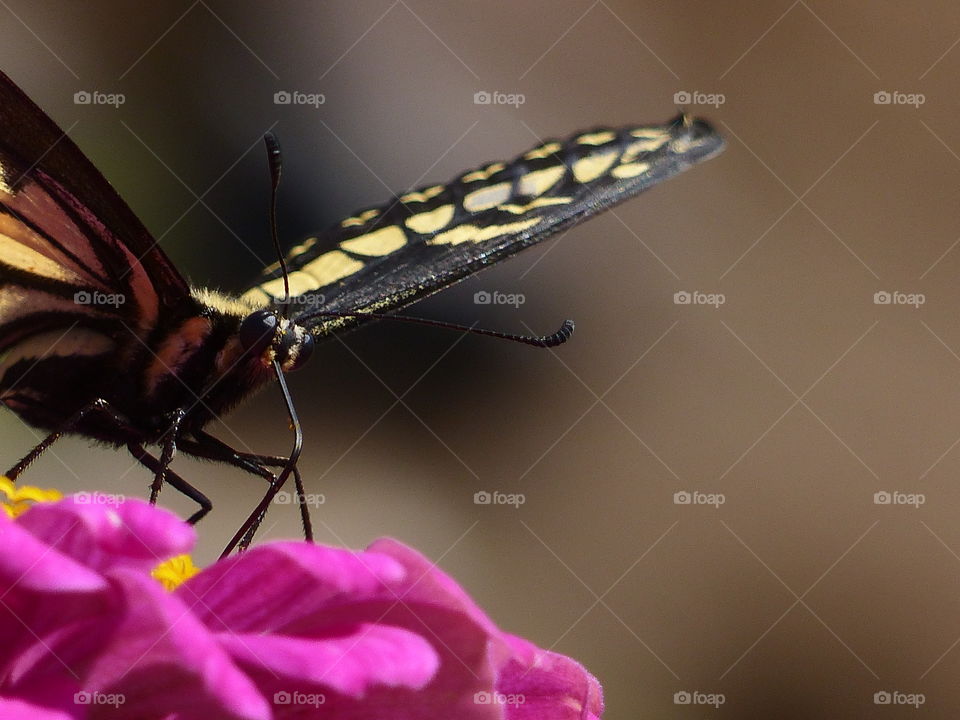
(271, 337)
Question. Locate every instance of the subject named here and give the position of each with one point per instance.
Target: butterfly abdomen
(50, 373)
(190, 361)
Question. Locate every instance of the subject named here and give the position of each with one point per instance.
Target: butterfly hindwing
(66, 234)
(83, 285)
(387, 257)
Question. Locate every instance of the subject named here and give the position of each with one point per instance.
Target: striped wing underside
(387, 257)
(66, 237)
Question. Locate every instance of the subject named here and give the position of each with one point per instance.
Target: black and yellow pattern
(101, 336)
(387, 257)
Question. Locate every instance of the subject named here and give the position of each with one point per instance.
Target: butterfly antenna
(543, 341)
(275, 161)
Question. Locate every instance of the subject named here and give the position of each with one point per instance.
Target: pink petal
(164, 661)
(463, 649)
(131, 533)
(314, 591)
(21, 710)
(48, 656)
(56, 694)
(532, 684)
(350, 662)
(285, 587)
(28, 563)
(45, 596)
(427, 583)
(538, 684)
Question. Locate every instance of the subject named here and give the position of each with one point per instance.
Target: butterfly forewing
(387, 257)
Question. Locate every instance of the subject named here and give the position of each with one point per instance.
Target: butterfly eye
(258, 330)
(298, 341)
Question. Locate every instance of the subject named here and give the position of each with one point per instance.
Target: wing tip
(698, 133)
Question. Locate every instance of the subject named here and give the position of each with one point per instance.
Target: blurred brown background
(797, 399)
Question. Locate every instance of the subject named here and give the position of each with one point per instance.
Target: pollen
(174, 572)
(16, 500)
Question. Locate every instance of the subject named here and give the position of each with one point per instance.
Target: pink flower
(286, 630)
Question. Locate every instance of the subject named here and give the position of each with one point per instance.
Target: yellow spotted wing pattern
(387, 257)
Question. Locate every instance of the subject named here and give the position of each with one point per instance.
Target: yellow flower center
(17, 499)
(175, 571)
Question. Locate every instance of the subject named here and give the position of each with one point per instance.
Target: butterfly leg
(208, 447)
(98, 405)
(158, 467)
(261, 462)
(298, 483)
(255, 519)
(176, 482)
(168, 448)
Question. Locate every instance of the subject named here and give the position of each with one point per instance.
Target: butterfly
(101, 336)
